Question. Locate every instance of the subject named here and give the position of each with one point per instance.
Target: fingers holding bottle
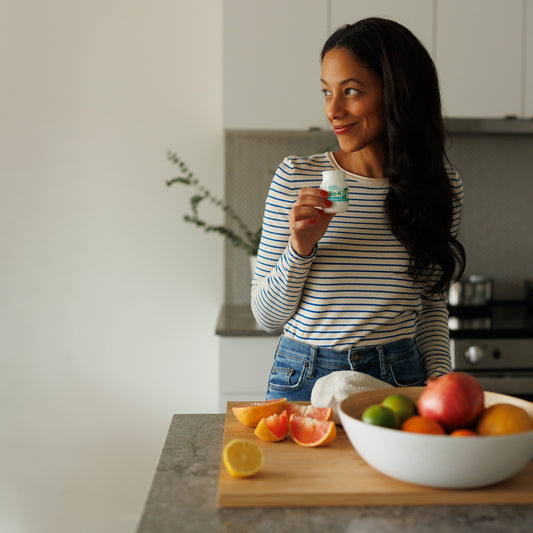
(307, 219)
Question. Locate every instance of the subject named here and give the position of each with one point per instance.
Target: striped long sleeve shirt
(354, 289)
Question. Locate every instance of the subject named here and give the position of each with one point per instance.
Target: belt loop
(351, 362)
(382, 364)
(313, 353)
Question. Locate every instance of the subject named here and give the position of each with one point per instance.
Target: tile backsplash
(497, 224)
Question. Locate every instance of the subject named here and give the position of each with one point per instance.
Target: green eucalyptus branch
(249, 243)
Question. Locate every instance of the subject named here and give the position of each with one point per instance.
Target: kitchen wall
(497, 218)
(108, 300)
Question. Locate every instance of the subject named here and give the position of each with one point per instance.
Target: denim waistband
(330, 357)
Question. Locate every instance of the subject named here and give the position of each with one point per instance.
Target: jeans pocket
(406, 370)
(287, 373)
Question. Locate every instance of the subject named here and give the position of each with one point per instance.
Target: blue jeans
(297, 366)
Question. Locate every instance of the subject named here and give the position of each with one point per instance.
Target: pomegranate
(455, 400)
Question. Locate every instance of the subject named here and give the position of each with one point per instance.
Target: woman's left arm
(433, 337)
(432, 331)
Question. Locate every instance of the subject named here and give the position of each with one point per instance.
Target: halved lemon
(242, 457)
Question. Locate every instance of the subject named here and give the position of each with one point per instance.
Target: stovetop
(506, 320)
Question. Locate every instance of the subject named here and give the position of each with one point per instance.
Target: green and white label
(338, 194)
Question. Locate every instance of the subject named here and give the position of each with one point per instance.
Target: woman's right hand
(307, 220)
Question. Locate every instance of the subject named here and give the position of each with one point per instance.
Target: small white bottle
(333, 181)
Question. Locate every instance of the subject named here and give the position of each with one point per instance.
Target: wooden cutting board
(335, 475)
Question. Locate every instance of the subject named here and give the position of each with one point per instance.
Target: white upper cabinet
(528, 86)
(483, 50)
(417, 15)
(271, 61)
(479, 51)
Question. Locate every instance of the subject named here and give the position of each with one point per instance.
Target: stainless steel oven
(494, 343)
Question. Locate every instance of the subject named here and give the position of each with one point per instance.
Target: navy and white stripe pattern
(353, 290)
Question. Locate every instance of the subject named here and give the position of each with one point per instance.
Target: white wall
(108, 301)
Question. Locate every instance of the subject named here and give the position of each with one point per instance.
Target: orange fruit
(251, 414)
(242, 458)
(322, 413)
(463, 433)
(403, 406)
(273, 428)
(311, 432)
(422, 424)
(378, 415)
(502, 419)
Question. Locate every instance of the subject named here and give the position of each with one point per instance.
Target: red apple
(455, 400)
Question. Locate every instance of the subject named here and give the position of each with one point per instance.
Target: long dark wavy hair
(419, 205)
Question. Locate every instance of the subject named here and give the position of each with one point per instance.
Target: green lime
(381, 416)
(403, 406)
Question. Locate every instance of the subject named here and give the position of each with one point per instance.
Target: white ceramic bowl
(436, 460)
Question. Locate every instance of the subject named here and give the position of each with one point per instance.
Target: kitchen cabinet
(417, 15)
(272, 70)
(271, 77)
(528, 41)
(479, 56)
(245, 364)
(477, 45)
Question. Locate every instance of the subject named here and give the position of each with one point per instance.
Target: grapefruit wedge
(251, 414)
(311, 432)
(322, 413)
(273, 428)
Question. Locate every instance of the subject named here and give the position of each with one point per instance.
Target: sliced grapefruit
(273, 428)
(322, 413)
(311, 432)
(242, 457)
(250, 414)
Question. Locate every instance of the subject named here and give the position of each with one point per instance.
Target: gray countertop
(182, 499)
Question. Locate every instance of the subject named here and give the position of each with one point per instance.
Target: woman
(365, 289)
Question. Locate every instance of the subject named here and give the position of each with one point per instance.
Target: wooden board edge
(377, 500)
